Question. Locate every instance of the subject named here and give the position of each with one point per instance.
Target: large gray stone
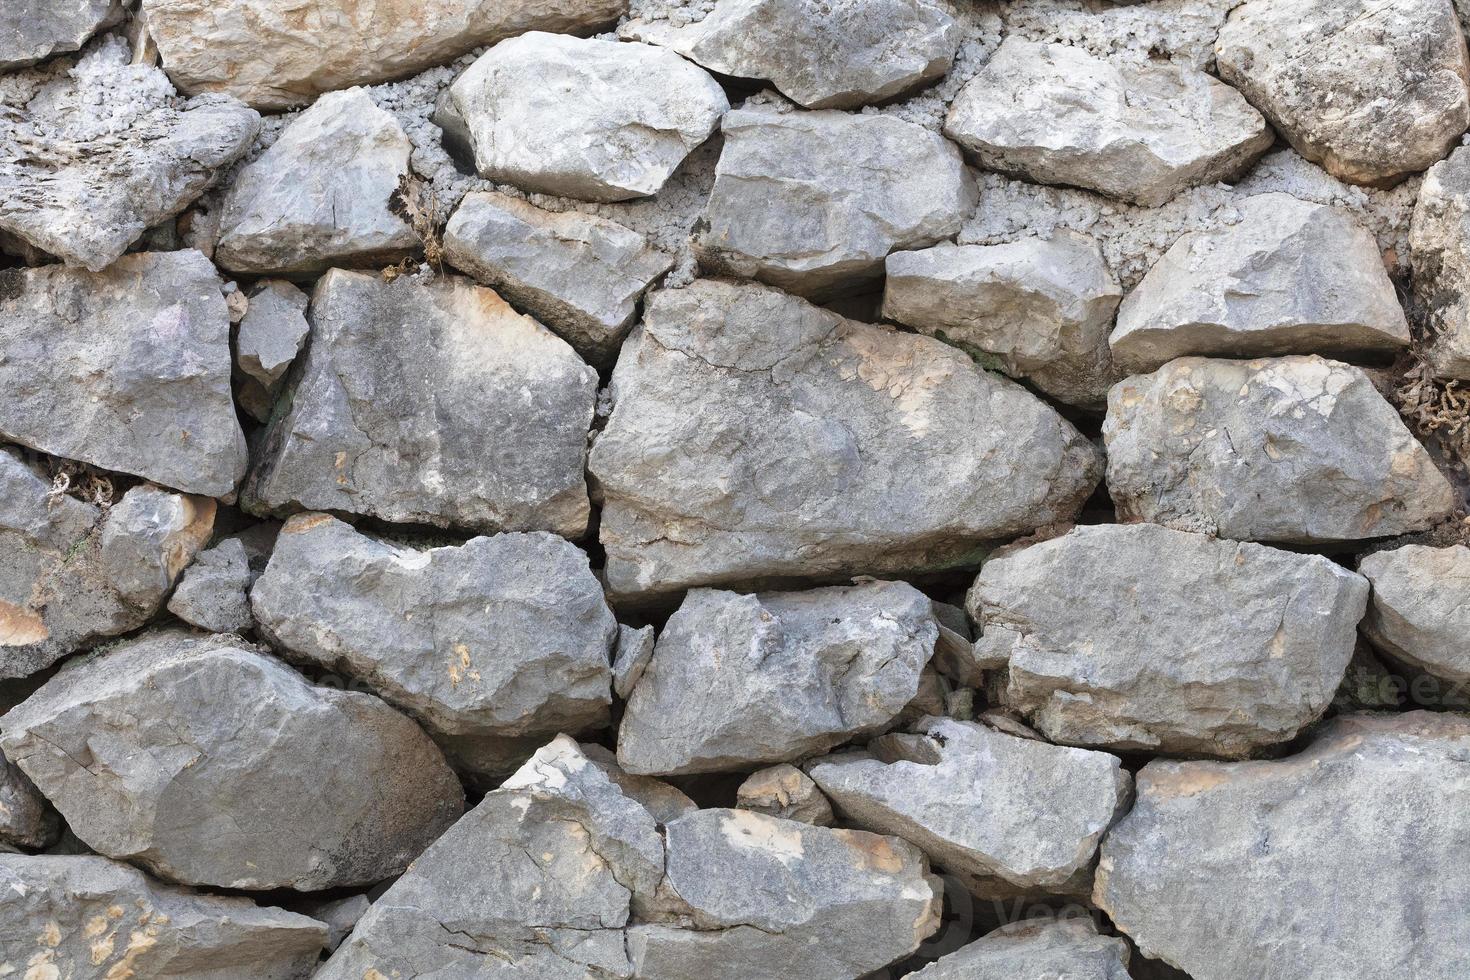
(80, 916)
(1143, 638)
(1291, 449)
(579, 274)
(1040, 309)
(214, 591)
(1138, 131)
(26, 819)
(911, 455)
(277, 53)
(494, 645)
(34, 30)
(1439, 238)
(1420, 611)
(813, 201)
(127, 369)
(430, 401)
(1053, 949)
(1373, 90)
(1292, 277)
(73, 572)
(1007, 815)
(92, 157)
(270, 336)
(836, 55)
(1347, 860)
(740, 681)
(597, 120)
(208, 763)
(319, 196)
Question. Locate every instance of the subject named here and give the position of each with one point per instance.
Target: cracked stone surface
(270, 336)
(1141, 638)
(494, 645)
(1420, 611)
(914, 455)
(1440, 242)
(1194, 874)
(1373, 90)
(34, 30)
(1067, 949)
(217, 46)
(1140, 132)
(126, 369)
(1292, 277)
(1007, 815)
(837, 55)
(433, 402)
(785, 791)
(813, 201)
(86, 916)
(738, 681)
(590, 119)
(92, 157)
(1293, 449)
(209, 763)
(213, 593)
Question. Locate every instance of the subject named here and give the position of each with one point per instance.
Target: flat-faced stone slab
(1439, 237)
(1420, 611)
(34, 30)
(1065, 948)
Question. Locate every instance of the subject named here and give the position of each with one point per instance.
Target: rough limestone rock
(630, 660)
(737, 681)
(1439, 237)
(269, 337)
(1356, 825)
(813, 201)
(320, 195)
(1138, 637)
(785, 791)
(26, 819)
(488, 644)
(214, 592)
(913, 455)
(1292, 277)
(84, 916)
(74, 572)
(278, 53)
(92, 157)
(208, 763)
(34, 30)
(1373, 90)
(581, 275)
(838, 55)
(1065, 949)
(1420, 611)
(1292, 449)
(1137, 131)
(430, 401)
(597, 120)
(1041, 308)
(339, 915)
(1008, 815)
(127, 369)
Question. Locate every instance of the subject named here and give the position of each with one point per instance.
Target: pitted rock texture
(913, 456)
(32, 31)
(430, 401)
(1420, 611)
(1440, 238)
(1064, 948)
(199, 758)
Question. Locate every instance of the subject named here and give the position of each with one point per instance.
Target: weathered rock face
(254, 778)
(597, 120)
(1420, 611)
(1141, 132)
(214, 591)
(1069, 949)
(74, 572)
(34, 31)
(912, 454)
(1194, 873)
(630, 660)
(785, 791)
(814, 201)
(737, 681)
(488, 644)
(127, 369)
(1142, 638)
(319, 196)
(1043, 308)
(1294, 449)
(26, 819)
(822, 56)
(1440, 241)
(1373, 90)
(580, 275)
(269, 338)
(86, 916)
(217, 47)
(430, 402)
(1291, 278)
(92, 157)
(1009, 815)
